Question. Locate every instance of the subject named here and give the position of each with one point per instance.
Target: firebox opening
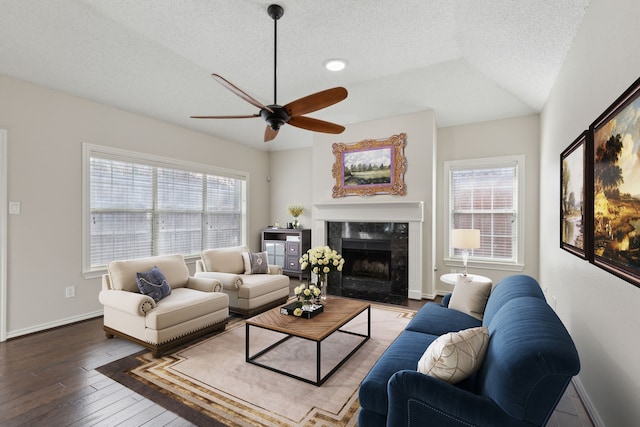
(368, 259)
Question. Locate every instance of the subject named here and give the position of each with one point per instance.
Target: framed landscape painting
(616, 187)
(572, 197)
(372, 166)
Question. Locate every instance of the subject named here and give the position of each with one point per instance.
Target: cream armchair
(248, 293)
(193, 308)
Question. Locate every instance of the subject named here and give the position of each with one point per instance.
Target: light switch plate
(14, 208)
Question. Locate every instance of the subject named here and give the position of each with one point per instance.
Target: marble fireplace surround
(409, 212)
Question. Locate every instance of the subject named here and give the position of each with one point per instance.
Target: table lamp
(465, 239)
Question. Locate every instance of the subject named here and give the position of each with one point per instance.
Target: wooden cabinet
(285, 246)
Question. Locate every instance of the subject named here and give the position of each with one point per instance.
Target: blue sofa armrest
(417, 399)
(445, 300)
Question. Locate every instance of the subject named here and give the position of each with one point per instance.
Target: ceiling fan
(292, 113)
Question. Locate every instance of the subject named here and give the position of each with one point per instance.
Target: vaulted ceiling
(467, 60)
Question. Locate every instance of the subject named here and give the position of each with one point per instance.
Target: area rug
(210, 384)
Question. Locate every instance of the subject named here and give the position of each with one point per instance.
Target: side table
(451, 278)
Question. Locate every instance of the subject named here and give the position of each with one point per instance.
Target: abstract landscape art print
(616, 187)
(369, 167)
(572, 197)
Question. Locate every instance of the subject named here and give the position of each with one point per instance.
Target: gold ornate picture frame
(369, 167)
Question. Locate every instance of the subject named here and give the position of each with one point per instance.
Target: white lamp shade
(465, 238)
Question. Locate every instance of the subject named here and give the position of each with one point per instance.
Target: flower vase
(322, 284)
(295, 222)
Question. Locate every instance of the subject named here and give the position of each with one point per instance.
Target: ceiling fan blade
(235, 89)
(316, 101)
(269, 134)
(315, 125)
(250, 116)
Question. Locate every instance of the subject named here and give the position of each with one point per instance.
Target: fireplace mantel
(375, 211)
(391, 211)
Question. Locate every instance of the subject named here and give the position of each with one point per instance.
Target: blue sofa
(528, 364)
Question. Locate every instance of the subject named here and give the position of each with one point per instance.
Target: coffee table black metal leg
(246, 343)
(318, 359)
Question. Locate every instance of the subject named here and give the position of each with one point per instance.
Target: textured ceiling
(468, 60)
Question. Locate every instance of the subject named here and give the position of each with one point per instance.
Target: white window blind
(179, 211)
(121, 211)
(484, 196)
(139, 210)
(222, 210)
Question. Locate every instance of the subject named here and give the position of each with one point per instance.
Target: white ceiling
(468, 60)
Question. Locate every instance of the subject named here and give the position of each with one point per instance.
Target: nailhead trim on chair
(157, 350)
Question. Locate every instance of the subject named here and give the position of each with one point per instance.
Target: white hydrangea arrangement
(322, 260)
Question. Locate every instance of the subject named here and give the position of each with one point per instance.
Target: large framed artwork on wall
(616, 187)
(573, 204)
(369, 167)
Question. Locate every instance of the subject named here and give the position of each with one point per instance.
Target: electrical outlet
(554, 302)
(70, 291)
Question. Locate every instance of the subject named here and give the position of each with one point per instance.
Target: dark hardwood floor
(49, 379)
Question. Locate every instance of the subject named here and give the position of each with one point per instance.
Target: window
(487, 194)
(138, 206)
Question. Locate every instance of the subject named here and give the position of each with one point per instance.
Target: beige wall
(600, 310)
(308, 172)
(45, 132)
(291, 183)
(509, 137)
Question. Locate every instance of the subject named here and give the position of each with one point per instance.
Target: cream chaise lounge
(193, 308)
(249, 293)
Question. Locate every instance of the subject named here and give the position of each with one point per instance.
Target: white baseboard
(593, 413)
(428, 296)
(417, 295)
(55, 324)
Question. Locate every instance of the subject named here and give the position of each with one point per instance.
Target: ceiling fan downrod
(275, 11)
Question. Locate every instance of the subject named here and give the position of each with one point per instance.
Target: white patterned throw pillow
(454, 356)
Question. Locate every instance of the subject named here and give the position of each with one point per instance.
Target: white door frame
(3, 235)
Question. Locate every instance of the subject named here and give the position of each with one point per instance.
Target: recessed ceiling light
(335, 64)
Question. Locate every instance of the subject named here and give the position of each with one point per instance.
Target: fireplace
(375, 260)
(409, 213)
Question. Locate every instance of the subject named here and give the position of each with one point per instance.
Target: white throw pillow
(470, 297)
(454, 356)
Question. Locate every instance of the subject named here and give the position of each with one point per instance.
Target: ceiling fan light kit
(292, 113)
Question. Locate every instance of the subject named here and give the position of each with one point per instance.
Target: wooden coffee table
(337, 313)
